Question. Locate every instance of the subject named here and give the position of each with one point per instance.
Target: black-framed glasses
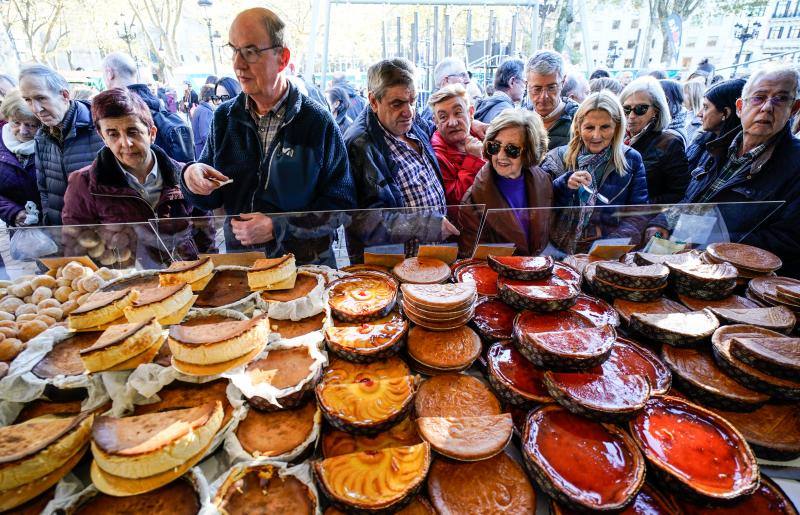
(638, 110)
(220, 99)
(512, 151)
(250, 54)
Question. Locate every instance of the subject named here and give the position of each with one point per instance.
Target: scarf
(595, 164)
(17, 147)
(679, 119)
(555, 113)
(631, 139)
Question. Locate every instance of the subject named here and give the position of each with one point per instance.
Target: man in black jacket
(174, 136)
(509, 88)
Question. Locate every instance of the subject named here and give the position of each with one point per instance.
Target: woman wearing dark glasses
(226, 88)
(596, 168)
(511, 180)
(648, 116)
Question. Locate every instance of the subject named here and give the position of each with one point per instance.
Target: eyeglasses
(535, 91)
(220, 99)
(250, 54)
(512, 151)
(638, 110)
(461, 76)
(776, 101)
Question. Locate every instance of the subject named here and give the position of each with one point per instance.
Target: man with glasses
(281, 150)
(545, 79)
(757, 163)
(509, 88)
(449, 71)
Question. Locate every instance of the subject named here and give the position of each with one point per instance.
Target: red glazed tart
(648, 501)
(362, 297)
(514, 378)
(494, 319)
(481, 274)
(596, 310)
(638, 357)
(568, 350)
(525, 268)
(421, 270)
(528, 322)
(539, 298)
(581, 463)
(769, 499)
(723, 468)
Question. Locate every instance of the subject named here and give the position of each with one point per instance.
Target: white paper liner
(266, 391)
(304, 307)
(20, 385)
(236, 452)
(302, 472)
(67, 490)
(244, 305)
(330, 274)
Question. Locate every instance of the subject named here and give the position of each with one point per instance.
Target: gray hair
(121, 64)
(653, 89)
(572, 82)
(601, 83)
(510, 69)
(779, 70)
(388, 73)
(546, 62)
(276, 28)
(535, 135)
(447, 67)
(55, 82)
(14, 106)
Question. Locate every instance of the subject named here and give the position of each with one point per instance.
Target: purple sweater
(513, 190)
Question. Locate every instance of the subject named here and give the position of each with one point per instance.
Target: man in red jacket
(458, 152)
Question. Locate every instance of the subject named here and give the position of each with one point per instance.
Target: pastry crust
(185, 272)
(120, 343)
(101, 308)
(273, 274)
(159, 302)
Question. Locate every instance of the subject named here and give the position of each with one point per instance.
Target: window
(628, 63)
(631, 43)
(577, 46)
(612, 45)
(653, 43)
(772, 32)
(712, 41)
(595, 45)
(691, 43)
(779, 8)
(790, 33)
(615, 25)
(635, 23)
(748, 56)
(780, 33)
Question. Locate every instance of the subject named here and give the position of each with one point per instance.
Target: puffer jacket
(665, 162)
(490, 107)
(55, 161)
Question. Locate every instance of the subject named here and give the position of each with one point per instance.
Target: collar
(59, 131)
(501, 94)
(409, 134)
(149, 179)
(109, 173)
(250, 105)
(555, 113)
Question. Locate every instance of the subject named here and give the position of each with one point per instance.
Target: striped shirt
(268, 124)
(415, 174)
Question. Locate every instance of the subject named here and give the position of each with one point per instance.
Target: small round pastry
(96, 251)
(108, 258)
(88, 239)
(8, 317)
(21, 290)
(10, 348)
(10, 304)
(31, 329)
(44, 280)
(444, 351)
(69, 306)
(46, 319)
(91, 283)
(63, 281)
(106, 273)
(41, 293)
(48, 303)
(420, 270)
(27, 317)
(55, 313)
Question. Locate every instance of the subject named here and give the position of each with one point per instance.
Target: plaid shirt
(415, 174)
(269, 123)
(733, 169)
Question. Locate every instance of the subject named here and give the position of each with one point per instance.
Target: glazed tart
(765, 290)
(661, 306)
(667, 431)
(368, 341)
(443, 351)
(182, 395)
(421, 270)
(496, 485)
(596, 310)
(748, 375)
(777, 318)
(339, 443)
(373, 481)
(744, 256)
(362, 297)
(455, 395)
(467, 438)
(288, 329)
(613, 290)
(418, 506)
(730, 302)
(773, 430)
(525, 268)
(178, 498)
(567, 350)
(676, 329)
(539, 298)
(697, 375)
(481, 274)
(788, 293)
(640, 360)
(528, 323)
(603, 469)
(195, 273)
(291, 368)
(228, 287)
(684, 258)
(120, 343)
(272, 274)
(562, 275)
(101, 308)
(355, 269)
(262, 489)
(648, 501)
(648, 277)
(768, 498)
(770, 354)
(340, 371)
(514, 378)
(279, 433)
(167, 304)
(366, 406)
(711, 282)
(493, 319)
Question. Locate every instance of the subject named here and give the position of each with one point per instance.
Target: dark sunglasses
(638, 110)
(512, 151)
(220, 99)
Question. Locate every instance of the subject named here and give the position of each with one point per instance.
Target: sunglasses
(638, 110)
(220, 99)
(512, 151)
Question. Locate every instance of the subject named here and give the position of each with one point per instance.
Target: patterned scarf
(595, 164)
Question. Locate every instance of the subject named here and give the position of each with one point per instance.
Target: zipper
(273, 148)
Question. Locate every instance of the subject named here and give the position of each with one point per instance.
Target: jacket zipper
(272, 149)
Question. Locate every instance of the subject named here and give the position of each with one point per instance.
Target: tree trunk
(667, 51)
(565, 18)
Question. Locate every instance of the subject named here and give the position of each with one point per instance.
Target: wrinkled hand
(653, 231)
(202, 179)
(474, 146)
(448, 229)
(478, 129)
(578, 178)
(253, 228)
(20, 218)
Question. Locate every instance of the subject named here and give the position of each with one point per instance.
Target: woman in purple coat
(17, 170)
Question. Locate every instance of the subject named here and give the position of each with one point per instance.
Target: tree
(164, 17)
(39, 23)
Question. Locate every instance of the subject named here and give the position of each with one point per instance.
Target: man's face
(544, 91)
(769, 106)
(516, 89)
(128, 139)
(261, 76)
(395, 110)
(453, 118)
(457, 76)
(625, 78)
(49, 107)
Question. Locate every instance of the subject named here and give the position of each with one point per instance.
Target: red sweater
(458, 169)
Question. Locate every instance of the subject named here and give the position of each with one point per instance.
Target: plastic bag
(29, 243)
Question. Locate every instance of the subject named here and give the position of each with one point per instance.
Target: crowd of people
(545, 138)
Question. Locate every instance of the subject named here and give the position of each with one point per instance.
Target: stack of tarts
(439, 307)
(535, 283)
(630, 282)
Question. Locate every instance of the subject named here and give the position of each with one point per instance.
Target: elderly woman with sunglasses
(596, 168)
(516, 142)
(648, 116)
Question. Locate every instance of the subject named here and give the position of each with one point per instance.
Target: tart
(646, 277)
(120, 343)
(562, 275)
(744, 256)
(660, 306)
(768, 499)
(676, 329)
(338, 443)
(373, 481)
(288, 329)
(195, 273)
(493, 319)
(262, 489)
(228, 287)
(444, 351)
(773, 430)
(481, 274)
(567, 350)
(729, 302)
(287, 368)
(527, 323)
(596, 310)
(418, 506)
(273, 273)
(165, 304)
(648, 501)
(362, 297)
(101, 308)
(138, 280)
(539, 298)
(684, 258)
(340, 371)
(667, 431)
(613, 291)
(638, 357)
(278, 433)
(777, 318)
(525, 268)
(770, 354)
(369, 341)
(440, 298)
(711, 282)
(697, 375)
(467, 438)
(64, 360)
(496, 485)
(581, 463)
(455, 395)
(303, 285)
(514, 378)
(182, 395)
(41, 407)
(178, 498)
(766, 289)
(421, 270)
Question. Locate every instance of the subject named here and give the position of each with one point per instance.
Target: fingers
(202, 179)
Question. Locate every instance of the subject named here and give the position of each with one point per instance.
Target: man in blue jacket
(283, 151)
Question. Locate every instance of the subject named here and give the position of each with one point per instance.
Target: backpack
(174, 137)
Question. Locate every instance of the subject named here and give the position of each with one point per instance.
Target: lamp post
(205, 5)
(743, 33)
(127, 33)
(217, 36)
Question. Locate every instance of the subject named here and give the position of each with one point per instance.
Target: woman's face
(222, 94)
(24, 129)
(334, 104)
(129, 139)
(597, 130)
(634, 104)
(510, 140)
(711, 116)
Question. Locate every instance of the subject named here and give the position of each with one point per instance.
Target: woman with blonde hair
(596, 168)
(693, 102)
(511, 180)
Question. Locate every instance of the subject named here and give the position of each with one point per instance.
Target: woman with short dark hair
(718, 117)
(339, 102)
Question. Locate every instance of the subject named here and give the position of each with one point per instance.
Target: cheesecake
(101, 308)
(120, 343)
(196, 273)
(273, 274)
(177, 498)
(262, 489)
(278, 433)
(165, 302)
(294, 369)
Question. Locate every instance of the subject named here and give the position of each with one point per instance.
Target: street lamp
(126, 32)
(205, 5)
(217, 36)
(614, 53)
(743, 33)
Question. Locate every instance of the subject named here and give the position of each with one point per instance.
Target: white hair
(653, 89)
(779, 70)
(122, 65)
(447, 67)
(54, 81)
(546, 62)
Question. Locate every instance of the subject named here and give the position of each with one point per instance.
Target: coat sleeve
(631, 225)
(41, 180)
(673, 170)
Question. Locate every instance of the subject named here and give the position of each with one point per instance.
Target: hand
(197, 175)
(478, 129)
(579, 178)
(655, 231)
(253, 228)
(20, 218)
(448, 229)
(474, 146)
